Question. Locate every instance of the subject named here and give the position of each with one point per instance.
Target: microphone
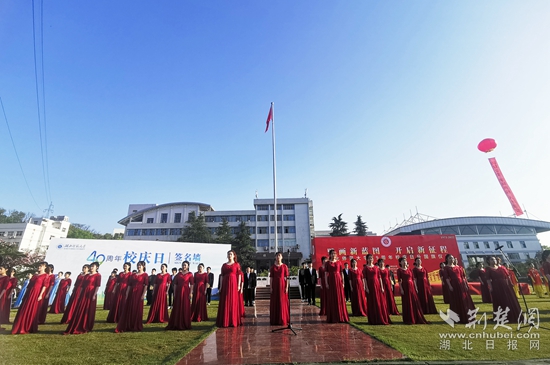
(497, 248)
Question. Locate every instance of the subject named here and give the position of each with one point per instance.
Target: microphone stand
(516, 272)
(289, 326)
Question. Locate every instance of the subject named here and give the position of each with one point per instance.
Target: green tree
(223, 233)
(196, 231)
(118, 236)
(338, 227)
(82, 231)
(14, 216)
(242, 245)
(23, 262)
(360, 227)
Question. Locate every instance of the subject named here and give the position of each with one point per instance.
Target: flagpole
(274, 171)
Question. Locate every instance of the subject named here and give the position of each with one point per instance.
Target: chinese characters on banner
(430, 248)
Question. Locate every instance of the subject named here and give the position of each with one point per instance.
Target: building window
(262, 207)
(466, 246)
(522, 243)
(527, 256)
(263, 243)
(509, 244)
(272, 217)
(262, 218)
(272, 229)
(10, 233)
(290, 229)
(486, 244)
(288, 206)
(164, 218)
(2, 234)
(177, 218)
(150, 220)
(63, 229)
(262, 230)
(288, 217)
(495, 243)
(514, 256)
(476, 245)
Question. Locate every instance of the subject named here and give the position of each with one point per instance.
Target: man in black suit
(249, 287)
(302, 282)
(310, 279)
(151, 286)
(210, 284)
(171, 288)
(347, 287)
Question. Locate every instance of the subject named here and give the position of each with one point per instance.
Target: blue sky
(379, 106)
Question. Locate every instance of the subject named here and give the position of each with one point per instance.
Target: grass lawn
(154, 345)
(423, 342)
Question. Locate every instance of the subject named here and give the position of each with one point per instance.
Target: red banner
(505, 187)
(430, 248)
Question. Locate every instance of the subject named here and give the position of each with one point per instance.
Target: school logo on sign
(386, 241)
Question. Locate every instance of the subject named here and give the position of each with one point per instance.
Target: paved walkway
(317, 342)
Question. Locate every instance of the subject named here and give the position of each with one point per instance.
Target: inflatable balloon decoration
(486, 146)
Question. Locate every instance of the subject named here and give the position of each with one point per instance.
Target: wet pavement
(317, 342)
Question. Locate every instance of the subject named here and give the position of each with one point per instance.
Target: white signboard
(70, 254)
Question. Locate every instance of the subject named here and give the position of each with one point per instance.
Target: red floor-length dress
(358, 298)
(503, 294)
(180, 318)
(323, 293)
(377, 310)
(84, 313)
(4, 281)
(411, 307)
(119, 297)
(229, 310)
(444, 288)
(243, 313)
(75, 296)
(131, 318)
(388, 292)
(485, 292)
(109, 295)
(199, 298)
(158, 312)
(460, 300)
(43, 310)
(58, 305)
(337, 310)
(26, 320)
(278, 301)
(424, 291)
(5, 303)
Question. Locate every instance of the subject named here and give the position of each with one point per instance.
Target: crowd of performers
(369, 290)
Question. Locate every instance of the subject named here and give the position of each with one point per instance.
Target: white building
(478, 237)
(36, 234)
(295, 227)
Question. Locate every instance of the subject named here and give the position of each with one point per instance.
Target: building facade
(478, 237)
(35, 235)
(294, 227)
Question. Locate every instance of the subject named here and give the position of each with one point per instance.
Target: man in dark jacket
(249, 287)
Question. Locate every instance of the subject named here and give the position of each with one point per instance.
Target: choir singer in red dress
(460, 300)
(336, 309)
(26, 319)
(358, 299)
(423, 287)
(385, 275)
(502, 292)
(58, 305)
(131, 318)
(6, 291)
(84, 313)
(73, 300)
(198, 307)
(109, 288)
(278, 287)
(411, 309)
(119, 293)
(158, 312)
(180, 318)
(229, 310)
(377, 311)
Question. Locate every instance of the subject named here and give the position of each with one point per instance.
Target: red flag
(269, 118)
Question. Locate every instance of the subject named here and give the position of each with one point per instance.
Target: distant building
(295, 226)
(478, 237)
(35, 235)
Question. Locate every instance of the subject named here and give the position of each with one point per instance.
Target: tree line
(339, 227)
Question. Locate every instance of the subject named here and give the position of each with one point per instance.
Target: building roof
(202, 207)
(416, 227)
